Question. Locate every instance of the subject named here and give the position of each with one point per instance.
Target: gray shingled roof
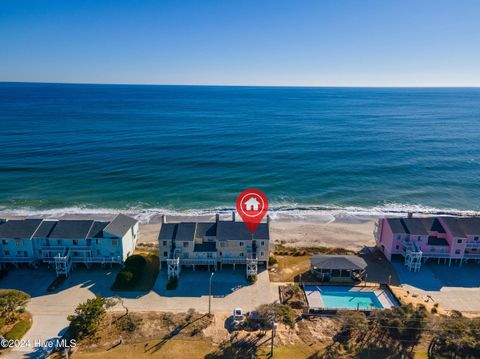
(432, 224)
(223, 230)
(185, 231)
(21, 229)
(168, 231)
(454, 227)
(120, 225)
(71, 229)
(205, 247)
(347, 262)
(206, 230)
(97, 229)
(229, 230)
(396, 225)
(469, 225)
(415, 226)
(434, 241)
(44, 229)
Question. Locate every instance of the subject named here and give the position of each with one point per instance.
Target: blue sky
(242, 42)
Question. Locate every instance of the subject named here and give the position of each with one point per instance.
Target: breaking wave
(309, 213)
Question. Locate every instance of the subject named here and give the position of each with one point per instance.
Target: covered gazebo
(339, 268)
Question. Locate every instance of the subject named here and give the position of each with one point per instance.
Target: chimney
(233, 216)
(164, 219)
(410, 214)
(217, 217)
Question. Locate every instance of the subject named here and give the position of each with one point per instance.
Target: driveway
(454, 287)
(50, 310)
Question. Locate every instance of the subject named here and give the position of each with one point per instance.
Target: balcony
(472, 245)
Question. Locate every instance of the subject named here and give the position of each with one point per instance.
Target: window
(241, 244)
(419, 238)
(165, 243)
(18, 242)
(223, 244)
(59, 242)
(185, 244)
(241, 254)
(19, 253)
(475, 238)
(262, 243)
(97, 241)
(114, 242)
(397, 247)
(209, 255)
(399, 237)
(165, 254)
(459, 241)
(262, 254)
(75, 242)
(98, 251)
(7, 253)
(457, 251)
(5, 242)
(220, 254)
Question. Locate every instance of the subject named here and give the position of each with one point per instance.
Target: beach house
(213, 244)
(64, 243)
(445, 239)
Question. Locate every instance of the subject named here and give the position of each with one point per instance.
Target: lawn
(146, 277)
(173, 348)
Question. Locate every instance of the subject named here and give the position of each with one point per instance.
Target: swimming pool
(347, 297)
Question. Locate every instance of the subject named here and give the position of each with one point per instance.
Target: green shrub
(18, 330)
(280, 312)
(252, 278)
(135, 262)
(12, 302)
(124, 279)
(272, 260)
(172, 283)
(130, 274)
(87, 317)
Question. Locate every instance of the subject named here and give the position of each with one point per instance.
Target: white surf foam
(322, 214)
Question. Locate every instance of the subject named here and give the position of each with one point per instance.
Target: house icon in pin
(251, 204)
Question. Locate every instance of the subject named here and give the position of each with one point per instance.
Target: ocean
(316, 152)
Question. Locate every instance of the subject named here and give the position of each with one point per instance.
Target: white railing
(472, 245)
(16, 259)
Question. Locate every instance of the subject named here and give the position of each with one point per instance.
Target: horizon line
(233, 85)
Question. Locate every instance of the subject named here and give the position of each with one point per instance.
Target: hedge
(130, 273)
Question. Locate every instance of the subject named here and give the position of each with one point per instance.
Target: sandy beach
(352, 236)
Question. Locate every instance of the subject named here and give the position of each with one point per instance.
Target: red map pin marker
(252, 205)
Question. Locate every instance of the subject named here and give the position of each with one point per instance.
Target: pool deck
(384, 296)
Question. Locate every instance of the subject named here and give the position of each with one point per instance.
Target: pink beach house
(444, 239)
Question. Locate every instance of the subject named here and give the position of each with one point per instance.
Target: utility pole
(210, 294)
